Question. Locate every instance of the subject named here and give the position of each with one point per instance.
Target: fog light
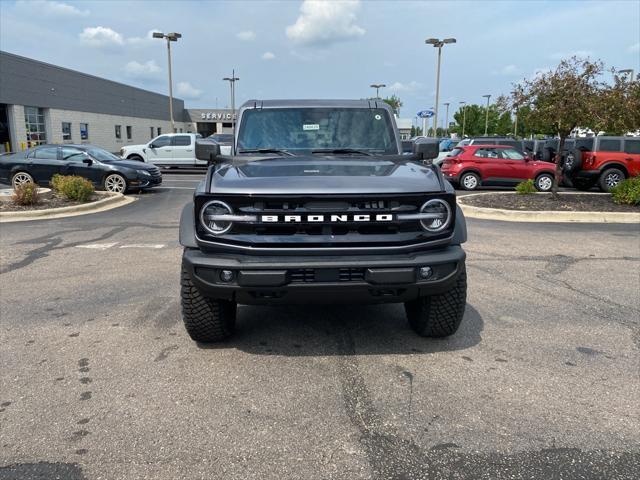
(226, 275)
(425, 272)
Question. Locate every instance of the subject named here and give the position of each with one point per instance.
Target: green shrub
(25, 194)
(73, 187)
(627, 192)
(526, 187)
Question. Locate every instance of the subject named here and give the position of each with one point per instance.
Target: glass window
(102, 155)
(182, 140)
(118, 131)
(486, 153)
(84, 131)
(632, 146)
(129, 132)
(456, 151)
(66, 131)
(163, 141)
(71, 154)
(511, 154)
(34, 125)
(151, 130)
(318, 128)
(48, 153)
(610, 145)
(159, 131)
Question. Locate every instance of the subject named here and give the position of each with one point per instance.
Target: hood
(134, 164)
(324, 175)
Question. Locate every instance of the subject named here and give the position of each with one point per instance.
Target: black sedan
(105, 170)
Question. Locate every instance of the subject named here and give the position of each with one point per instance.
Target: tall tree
(395, 103)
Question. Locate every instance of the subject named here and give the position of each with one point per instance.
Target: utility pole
(377, 86)
(486, 121)
(170, 37)
(464, 116)
(437, 43)
(232, 82)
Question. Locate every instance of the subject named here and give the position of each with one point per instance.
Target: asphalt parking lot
(100, 381)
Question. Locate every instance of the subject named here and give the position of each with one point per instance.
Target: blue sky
(297, 49)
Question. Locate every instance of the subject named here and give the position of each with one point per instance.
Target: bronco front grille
(311, 275)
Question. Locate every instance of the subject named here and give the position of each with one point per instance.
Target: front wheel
(439, 315)
(115, 183)
(469, 181)
(610, 178)
(205, 319)
(544, 182)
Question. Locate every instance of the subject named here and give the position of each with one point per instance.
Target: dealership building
(43, 103)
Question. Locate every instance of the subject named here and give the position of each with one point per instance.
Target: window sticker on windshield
(378, 117)
(311, 126)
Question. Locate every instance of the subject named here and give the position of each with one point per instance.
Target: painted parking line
(98, 246)
(105, 246)
(144, 245)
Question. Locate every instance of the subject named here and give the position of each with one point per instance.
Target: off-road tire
(604, 181)
(439, 315)
(205, 319)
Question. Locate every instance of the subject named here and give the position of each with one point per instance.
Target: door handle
(189, 150)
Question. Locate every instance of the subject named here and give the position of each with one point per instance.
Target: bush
(26, 194)
(73, 187)
(627, 192)
(526, 187)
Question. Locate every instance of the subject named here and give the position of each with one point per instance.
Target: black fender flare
(460, 228)
(187, 236)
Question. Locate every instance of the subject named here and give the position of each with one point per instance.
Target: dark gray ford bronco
(318, 205)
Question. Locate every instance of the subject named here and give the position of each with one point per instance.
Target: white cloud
(246, 35)
(575, 53)
(53, 9)
(635, 48)
(187, 91)
(268, 56)
(322, 22)
(508, 70)
(142, 70)
(101, 37)
(405, 87)
(148, 38)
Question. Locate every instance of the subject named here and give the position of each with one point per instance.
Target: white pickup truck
(171, 149)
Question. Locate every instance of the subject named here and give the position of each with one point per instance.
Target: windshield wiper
(267, 150)
(342, 150)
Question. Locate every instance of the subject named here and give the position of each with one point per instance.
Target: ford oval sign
(425, 113)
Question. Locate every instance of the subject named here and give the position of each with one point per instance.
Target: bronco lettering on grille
(379, 217)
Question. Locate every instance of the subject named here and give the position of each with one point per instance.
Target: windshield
(222, 137)
(102, 155)
(308, 129)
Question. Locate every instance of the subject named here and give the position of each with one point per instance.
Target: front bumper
(326, 279)
(146, 182)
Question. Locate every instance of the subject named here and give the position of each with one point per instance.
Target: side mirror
(207, 150)
(426, 148)
(151, 145)
(87, 160)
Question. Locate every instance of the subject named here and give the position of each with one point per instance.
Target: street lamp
(377, 86)
(232, 83)
(437, 43)
(464, 116)
(446, 123)
(170, 37)
(486, 121)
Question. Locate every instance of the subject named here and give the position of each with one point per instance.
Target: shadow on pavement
(317, 331)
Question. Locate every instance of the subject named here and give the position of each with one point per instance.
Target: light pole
(486, 121)
(232, 83)
(446, 122)
(515, 126)
(377, 86)
(464, 116)
(170, 37)
(437, 43)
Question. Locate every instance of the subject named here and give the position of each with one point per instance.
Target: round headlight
(209, 217)
(441, 212)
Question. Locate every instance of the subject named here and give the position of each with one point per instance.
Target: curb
(544, 216)
(112, 200)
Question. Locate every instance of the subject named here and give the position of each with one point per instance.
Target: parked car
(225, 140)
(105, 170)
(495, 165)
(603, 161)
(171, 149)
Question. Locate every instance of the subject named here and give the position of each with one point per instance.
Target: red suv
(604, 161)
(497, 165)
